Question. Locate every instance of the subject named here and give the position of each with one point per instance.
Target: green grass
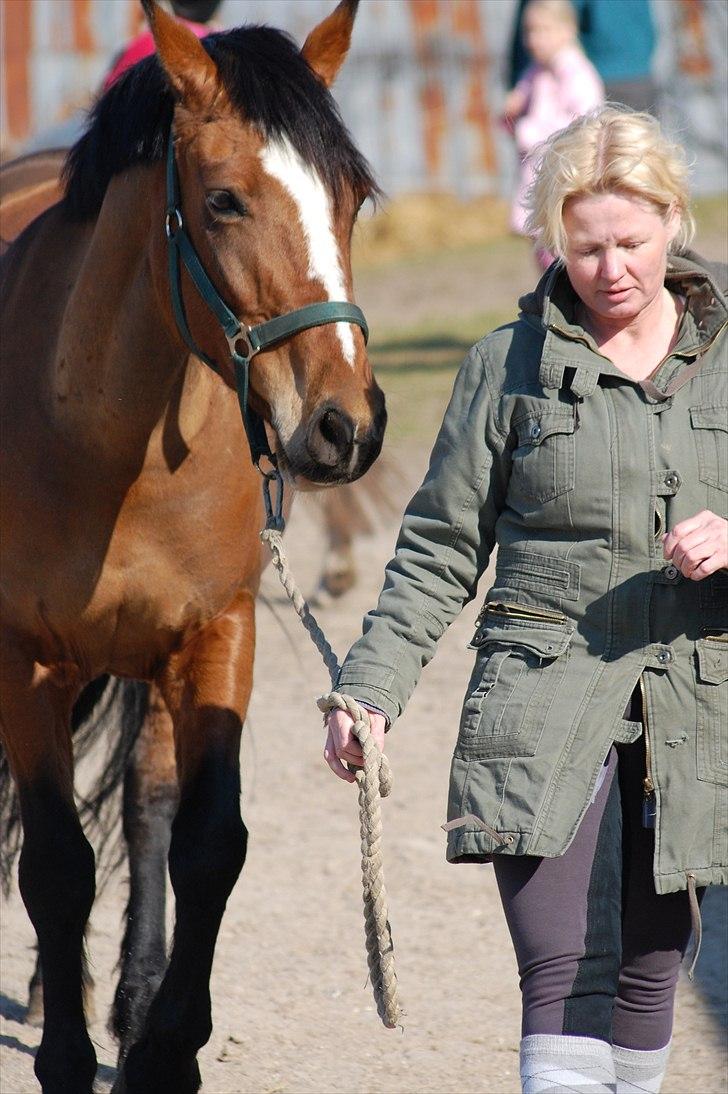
(711, 215)
(416, 369)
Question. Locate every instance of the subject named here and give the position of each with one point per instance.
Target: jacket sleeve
(444, 544)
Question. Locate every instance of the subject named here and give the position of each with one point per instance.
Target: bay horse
(215, 181)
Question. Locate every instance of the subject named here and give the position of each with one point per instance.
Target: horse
(33, 183)
(207, 210)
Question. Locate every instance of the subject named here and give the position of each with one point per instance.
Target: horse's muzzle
(339, 449)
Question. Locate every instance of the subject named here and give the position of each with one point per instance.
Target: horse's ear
(327, 45)
(190, 69)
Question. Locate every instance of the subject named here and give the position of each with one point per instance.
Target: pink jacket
(554, 97)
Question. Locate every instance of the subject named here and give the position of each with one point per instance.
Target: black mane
(268, 81)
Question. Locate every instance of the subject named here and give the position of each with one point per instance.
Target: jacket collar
(552, 306)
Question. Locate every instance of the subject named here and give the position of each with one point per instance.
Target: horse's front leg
(56, 870)
(150, 802)
(207, 689)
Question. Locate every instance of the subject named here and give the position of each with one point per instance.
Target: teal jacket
(573, 471)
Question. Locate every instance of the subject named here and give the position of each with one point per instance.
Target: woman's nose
(612, 266)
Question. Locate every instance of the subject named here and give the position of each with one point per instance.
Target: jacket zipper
(518, 611)
(649, 804)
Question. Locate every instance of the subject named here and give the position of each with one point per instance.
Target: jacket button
(535, 431)
(671, 572)
(664, 657)
(672, 479)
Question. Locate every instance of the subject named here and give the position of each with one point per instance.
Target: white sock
(640, 1070)
(550, 1062)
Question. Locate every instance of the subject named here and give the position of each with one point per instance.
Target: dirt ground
(291, 1008)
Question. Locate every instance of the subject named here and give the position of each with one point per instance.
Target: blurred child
(560, 84)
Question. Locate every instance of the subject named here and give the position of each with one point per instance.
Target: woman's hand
(342, 746)
(698, 546)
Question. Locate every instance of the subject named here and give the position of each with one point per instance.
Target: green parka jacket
(574, 471)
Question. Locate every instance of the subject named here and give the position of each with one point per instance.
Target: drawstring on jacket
(696, 923)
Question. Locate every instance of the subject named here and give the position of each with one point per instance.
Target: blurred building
(421, 91)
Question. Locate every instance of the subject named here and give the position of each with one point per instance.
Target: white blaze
(282, 161)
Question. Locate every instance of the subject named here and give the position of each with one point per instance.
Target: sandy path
(291, 1010)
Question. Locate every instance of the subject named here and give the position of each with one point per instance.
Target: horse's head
(270, 185)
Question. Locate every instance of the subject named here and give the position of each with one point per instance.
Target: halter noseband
(243, 341)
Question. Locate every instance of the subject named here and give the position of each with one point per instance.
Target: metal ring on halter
(241, 335)
(168, 231)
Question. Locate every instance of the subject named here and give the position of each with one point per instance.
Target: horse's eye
(223, 203)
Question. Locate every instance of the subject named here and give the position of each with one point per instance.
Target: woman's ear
(673, 222)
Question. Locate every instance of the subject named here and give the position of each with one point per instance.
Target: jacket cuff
(369, 695)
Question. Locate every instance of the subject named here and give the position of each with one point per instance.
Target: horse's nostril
(336, 429)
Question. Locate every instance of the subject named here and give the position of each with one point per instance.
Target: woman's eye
(223, 203)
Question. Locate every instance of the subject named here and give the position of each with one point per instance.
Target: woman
(588, 441)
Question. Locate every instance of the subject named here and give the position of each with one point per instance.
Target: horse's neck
(117, 362)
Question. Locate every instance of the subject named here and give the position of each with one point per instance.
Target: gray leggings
(598, 950)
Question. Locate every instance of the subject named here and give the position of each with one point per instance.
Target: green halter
(243, 341)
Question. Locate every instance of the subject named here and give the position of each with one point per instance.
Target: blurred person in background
(560, 84)
(195, 14)
(619, 39)
(587, 442)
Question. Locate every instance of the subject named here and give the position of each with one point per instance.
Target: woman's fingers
(698, 546)
(342, 747)
(334, 762)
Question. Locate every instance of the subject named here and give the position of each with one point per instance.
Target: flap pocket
(543, 462)
(710, 430)
(517, 674)
(545, 639)
(709, 417)
(540, 425)
(712, 654)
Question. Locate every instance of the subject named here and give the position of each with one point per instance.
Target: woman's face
(616, 252)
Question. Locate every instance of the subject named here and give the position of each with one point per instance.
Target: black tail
(108, 708)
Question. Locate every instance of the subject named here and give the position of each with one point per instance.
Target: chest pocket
(517, 673)
(710, 429)
(543, 464)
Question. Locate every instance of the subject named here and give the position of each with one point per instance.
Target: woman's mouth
(616, 294)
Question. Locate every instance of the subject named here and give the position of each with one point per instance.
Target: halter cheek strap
(243, 341)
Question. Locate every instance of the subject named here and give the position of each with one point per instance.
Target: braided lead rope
(374, 782)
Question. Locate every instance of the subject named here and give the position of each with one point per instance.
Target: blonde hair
(611, 150)
(562, 10)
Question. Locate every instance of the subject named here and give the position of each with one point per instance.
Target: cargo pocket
(543, 465)
(520, 663)
(710, 428)
(711, 668)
